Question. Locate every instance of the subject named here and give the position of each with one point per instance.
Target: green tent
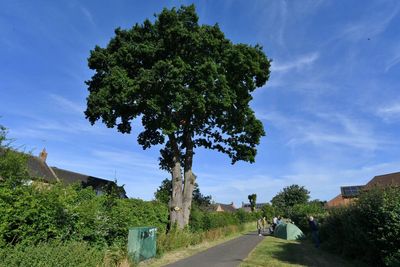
(288, 231)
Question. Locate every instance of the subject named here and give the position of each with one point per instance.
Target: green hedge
(70, 254)
(30, 215)
(205, 220)
(58, 225)
(300, 213)
(369, 230)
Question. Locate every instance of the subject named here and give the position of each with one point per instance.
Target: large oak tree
(190, 86)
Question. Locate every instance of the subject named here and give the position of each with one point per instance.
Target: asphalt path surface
(227, 254)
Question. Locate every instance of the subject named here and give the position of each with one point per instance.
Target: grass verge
(275, 252)
(182, 253)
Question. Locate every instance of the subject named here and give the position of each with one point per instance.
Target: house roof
(226, 207)
(69, 177)
(385, 180)
(351, 191)
(39, 169)
(36, 166)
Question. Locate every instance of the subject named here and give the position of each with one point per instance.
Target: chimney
(43, 155)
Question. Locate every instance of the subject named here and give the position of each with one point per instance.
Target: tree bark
(189, 180)
(176, 208)
(181, 200)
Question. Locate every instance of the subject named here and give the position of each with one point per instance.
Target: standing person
(314, 230)
(264, 224)
(259, 226)
(274, 223)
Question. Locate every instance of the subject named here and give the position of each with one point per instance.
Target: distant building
(247, 206)
(385, 180)
(219, 207)
(350, 193)
(38, 168)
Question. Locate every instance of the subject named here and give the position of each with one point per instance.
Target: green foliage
(4, 141)
(164, 192)
(268, 211)
(252, 199)
(189, 84)
(201, 220)
(182, 79)
(289, 197)
(13, 170)
(200, 200)
(30, 215)
(368, 230)
(53, 254)
(300, 213)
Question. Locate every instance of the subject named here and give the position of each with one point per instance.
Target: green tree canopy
(252, 199)
(163, 194)
(290, 196)
(189, 85)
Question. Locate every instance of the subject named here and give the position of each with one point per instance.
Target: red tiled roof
(390, 179)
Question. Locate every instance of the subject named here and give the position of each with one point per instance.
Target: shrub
(368, 230)
(300, 213)
(70, 254)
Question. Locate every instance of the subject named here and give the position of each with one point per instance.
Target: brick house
(350, 193)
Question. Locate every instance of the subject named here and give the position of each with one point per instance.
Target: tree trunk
(189, 179)
(181, 200)
(176, 208)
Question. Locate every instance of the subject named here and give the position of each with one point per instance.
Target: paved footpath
(227, 254)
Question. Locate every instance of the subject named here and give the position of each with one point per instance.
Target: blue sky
(331, 109)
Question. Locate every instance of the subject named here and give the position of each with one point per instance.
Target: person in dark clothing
(314, 230)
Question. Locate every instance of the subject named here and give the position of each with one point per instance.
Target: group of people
(262, 224)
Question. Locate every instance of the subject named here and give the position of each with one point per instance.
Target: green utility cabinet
(142, 243)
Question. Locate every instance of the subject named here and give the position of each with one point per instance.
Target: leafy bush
(204, 220)
(56, 225)
(71, 254)
(31, 215)
(300, 213)
(28, 215)
(368, 230)
(288, 197)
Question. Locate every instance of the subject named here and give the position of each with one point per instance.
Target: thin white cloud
(297, 64)
(391, 112)
(66, 104)
(325, 129)
(373, 24)
(88, 15)
(312, 174)
(392, 63)
(126, 158)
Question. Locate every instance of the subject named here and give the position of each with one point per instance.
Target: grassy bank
(276, 252)
(185, 252)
